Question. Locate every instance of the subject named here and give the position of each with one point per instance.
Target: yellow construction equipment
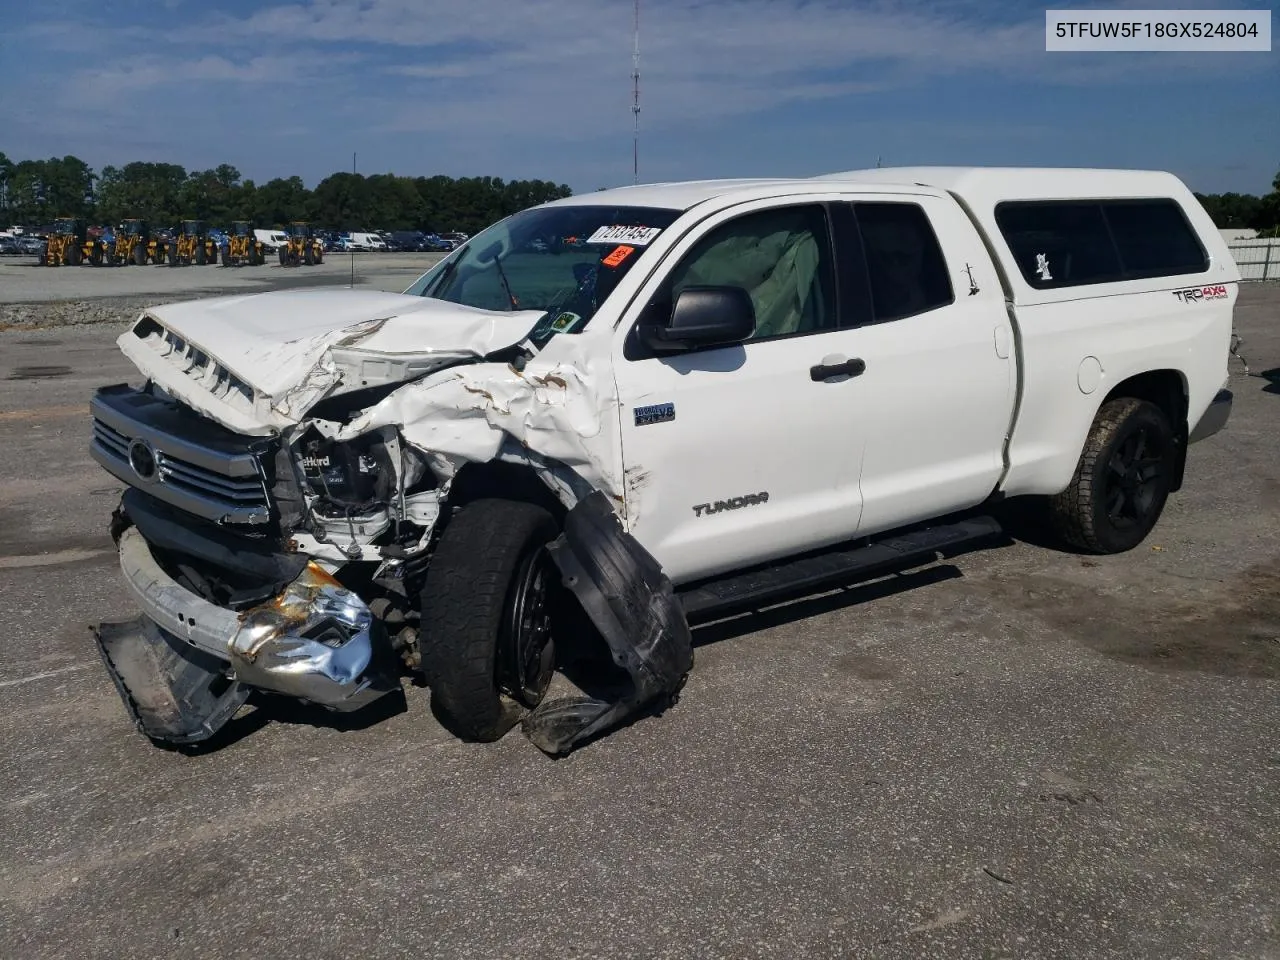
(302, 246)
(243, 247)
(70, 244)
(134, 245)
(192, 245)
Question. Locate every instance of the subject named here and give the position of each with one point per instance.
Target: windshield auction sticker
(1130, 31)
(635, 236)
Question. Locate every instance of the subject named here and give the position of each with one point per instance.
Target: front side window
(782, 258)
(905, 266)
(563, 261)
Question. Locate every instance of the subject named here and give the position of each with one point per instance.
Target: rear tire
(140, 255)
(1122, 481)
(284, 257)
(173, 253)
(73, 255)
(486, 617)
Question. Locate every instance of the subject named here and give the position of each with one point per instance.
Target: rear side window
(1071, 243)
(1154, 239)
(905, 266)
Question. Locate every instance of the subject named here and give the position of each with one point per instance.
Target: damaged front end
(277, 525)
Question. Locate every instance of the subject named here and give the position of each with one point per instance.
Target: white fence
(1257, 259)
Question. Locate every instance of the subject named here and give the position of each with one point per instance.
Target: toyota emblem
(142, 457)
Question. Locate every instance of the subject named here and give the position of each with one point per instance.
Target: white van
(367, 241)
(271, 239)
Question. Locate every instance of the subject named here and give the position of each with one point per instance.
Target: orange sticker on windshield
(619, 254)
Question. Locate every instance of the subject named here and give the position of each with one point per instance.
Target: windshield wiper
(497, 262)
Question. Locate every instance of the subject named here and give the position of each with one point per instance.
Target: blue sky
(541, 89)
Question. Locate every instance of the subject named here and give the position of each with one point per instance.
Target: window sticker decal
(636, 236)
(619, 254)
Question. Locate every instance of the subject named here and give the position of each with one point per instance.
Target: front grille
(178, 457)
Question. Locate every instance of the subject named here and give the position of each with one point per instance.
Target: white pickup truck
(608, 415)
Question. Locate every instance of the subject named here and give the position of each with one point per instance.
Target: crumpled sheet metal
(633, 605)
(468, 414)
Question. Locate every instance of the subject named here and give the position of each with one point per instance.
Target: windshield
(562, 260)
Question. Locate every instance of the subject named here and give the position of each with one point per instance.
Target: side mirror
(703, 317)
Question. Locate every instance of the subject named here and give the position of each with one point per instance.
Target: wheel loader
(243, 247)
(70, 244)
(303, 246)
(135, 245)
(192, 245)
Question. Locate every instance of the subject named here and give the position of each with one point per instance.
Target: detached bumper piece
(633, 605)
(314, 641)
(173, 691)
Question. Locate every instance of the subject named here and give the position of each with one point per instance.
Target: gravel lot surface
(1021, 753)
(32, 296)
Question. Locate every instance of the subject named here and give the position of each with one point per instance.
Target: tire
(213, 255)
(73, 255)
(201, 257)
(308, 255)
(284, 257)
(173, 253)
(1122, 481)
(489, 559)
(140, 255)
(319, 256)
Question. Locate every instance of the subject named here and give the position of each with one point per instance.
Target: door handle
(847, 368)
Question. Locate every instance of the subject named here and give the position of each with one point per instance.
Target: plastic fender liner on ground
(633, 605)
(173, 691)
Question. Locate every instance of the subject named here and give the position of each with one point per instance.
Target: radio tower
(635, 100)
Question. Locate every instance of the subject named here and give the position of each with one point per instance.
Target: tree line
(1245, 210)
(34, 192)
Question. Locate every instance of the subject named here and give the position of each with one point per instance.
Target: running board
(839, 566)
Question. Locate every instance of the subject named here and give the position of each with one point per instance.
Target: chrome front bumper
(314, 641)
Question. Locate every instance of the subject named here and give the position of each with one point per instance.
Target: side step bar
(814, 572)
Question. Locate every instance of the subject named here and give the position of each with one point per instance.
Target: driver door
(740, 454)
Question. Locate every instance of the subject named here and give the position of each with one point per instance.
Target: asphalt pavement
(1019, 753)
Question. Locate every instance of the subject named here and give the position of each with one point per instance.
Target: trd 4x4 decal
(1194, 294)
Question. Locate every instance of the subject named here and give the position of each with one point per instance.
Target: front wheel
(486, 640)
(1122, 481)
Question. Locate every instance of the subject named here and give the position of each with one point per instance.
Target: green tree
(6, 179)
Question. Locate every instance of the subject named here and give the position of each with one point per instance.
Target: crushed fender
(173, 691)
(633, 605)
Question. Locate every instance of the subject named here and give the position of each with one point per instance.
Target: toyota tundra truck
(608, 416)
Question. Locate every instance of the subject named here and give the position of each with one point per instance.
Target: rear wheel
(1122, 481)
(284, 257)
(173, 253)
(73, 254)
(486, 638)
(308, 255)
(140, 255)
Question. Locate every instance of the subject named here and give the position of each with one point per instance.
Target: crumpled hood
(291, 348)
